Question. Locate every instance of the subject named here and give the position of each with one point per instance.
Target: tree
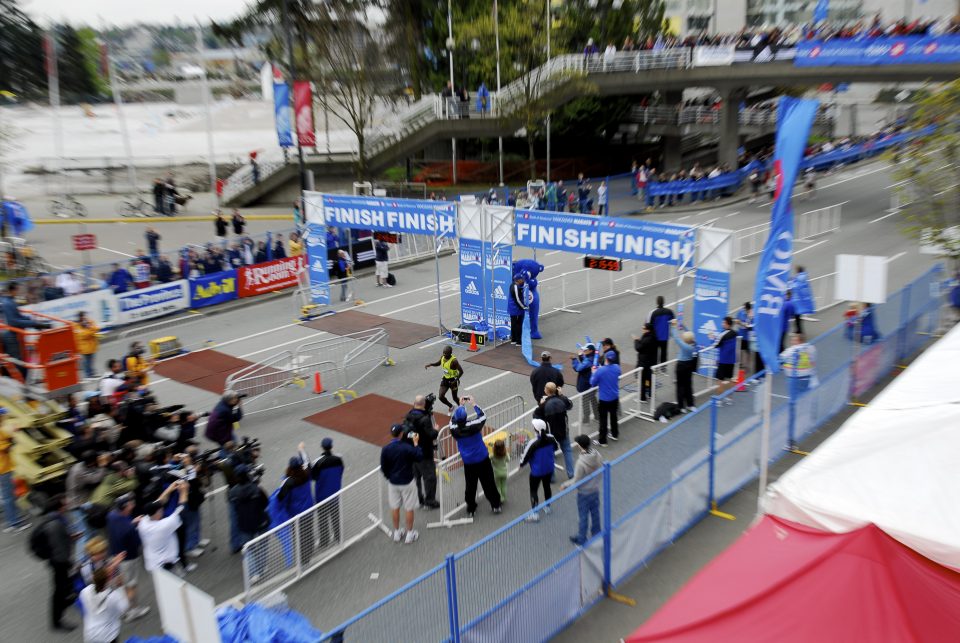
(77, 82)
(21, 47)
(928, 170)
(90, 52)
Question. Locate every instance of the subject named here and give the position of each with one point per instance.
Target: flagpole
(124, 132)
(205, 88)
(53, 86)
(765, 440)
(496, 34)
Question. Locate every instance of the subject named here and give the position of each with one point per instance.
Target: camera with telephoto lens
(428, 401)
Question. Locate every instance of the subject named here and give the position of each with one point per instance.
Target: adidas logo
(709, 328)
(498, 293)
(318, 266)
(471, 289)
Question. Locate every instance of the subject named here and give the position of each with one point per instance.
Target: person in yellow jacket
(15, 521)
(136, 364)
(88, 342)
(296, 245)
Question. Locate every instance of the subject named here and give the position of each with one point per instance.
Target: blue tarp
(256, 624)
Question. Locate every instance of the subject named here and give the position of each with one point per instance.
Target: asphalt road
(259, 329)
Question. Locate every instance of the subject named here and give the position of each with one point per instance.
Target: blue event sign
(281, 114)
(711, 301)
(316, 242)
(410, 216)
(612, 237)
(498, 272)
(886, 50)
(212, 289)
(471, 282)
(485, 272)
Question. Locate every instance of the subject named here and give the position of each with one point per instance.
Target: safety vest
(803, 361)
(448, 372)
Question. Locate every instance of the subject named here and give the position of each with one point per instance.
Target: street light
(285, 10)
(496, 34)
(450, 45)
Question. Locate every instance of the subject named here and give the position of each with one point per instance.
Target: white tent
(895, 463)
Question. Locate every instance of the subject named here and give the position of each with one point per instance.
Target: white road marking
(732, 214)
(895, 257)
(474, 387)
(115, 251)
(409, 292)
(422, 303)
(434, 342)
(893, 185)
(552, 252)
(275, 346)
(684, 218)
(890, 214)
(796, 252)
(553, 265)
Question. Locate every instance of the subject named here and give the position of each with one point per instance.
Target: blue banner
(471, 283)
(498, 270)
(317, 269)
(794, 119)
(886, 50)
(16, 217)
(711, 301)
(282, 114)
(821, 10)
(216, 288)
(383, 214)
(608, 236)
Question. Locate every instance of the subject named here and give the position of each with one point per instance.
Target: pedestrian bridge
(434, 118)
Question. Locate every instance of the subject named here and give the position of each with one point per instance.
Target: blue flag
(820, 11)
(281, 114)
(794, 118)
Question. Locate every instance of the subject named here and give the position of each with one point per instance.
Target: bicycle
(134, 206)
(67, 206)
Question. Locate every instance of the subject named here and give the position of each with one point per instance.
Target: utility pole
(288, 32)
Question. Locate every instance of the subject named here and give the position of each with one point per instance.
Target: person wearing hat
(327, 474)
(123, 538)
(11, 513)
(607, 345)
(646, 346)
(588, 493)
(295, 497)
(396, 464)
(516, 307)
(583, 364)
(419, 421)
(539, 455)
(543, 374)
(226, 414)
(476, 459)
(249, 503)
(607, 380)
(553, 410)
(686, 366)
(158, 534)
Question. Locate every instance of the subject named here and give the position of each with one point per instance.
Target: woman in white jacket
(104, 604)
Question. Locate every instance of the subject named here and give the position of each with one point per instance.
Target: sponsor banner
(303, 108)
(153, 301)
(99, 305)
(270, 276)
(498, 273)
(471, 283)
(212, 289)
(764, 53)
(383, 214)
(317, 269)
(894, 50)
(711, 301)
(281, 114)
(869, 367)
(719, 56)
(608, 236)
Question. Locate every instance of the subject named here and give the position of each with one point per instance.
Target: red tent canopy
(785, 582)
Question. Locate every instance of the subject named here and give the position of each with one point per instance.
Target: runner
(452, 372)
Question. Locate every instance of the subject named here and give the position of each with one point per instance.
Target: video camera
(428, 401)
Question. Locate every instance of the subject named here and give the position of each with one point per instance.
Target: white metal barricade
(750, 241)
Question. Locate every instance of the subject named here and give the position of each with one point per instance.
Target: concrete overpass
(668, 72)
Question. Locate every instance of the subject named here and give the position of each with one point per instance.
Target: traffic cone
(473, 343)
(741, 376)
(317, 385)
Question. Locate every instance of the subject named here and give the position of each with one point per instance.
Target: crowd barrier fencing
(647, 498)
(750, 241)
(288, 378)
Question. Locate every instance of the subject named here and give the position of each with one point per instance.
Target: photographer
(476, 459)
(225, 414)
(419, 420)
(396, 464)
(188, 472)
(158, 534)
(248, 502)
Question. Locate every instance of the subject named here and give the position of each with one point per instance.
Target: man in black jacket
(542, 374)
(419, 421)
(249, 502)
(554, 409)
(646, 346)
(53, 533)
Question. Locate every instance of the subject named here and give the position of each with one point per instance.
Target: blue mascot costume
(530, 269)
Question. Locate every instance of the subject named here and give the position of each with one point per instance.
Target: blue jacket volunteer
(607, 379)
(726, 347)
(539, 455)
(583, 365)
(516, 306)
(660, 317)
(476, 459)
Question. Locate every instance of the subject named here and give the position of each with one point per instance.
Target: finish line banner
(902, 50)
(411, 216)
(612, 237)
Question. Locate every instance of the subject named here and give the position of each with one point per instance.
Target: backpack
(666, 411)
(39, 542)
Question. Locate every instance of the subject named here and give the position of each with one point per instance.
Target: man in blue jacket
(607, 379)
(583, 365)
(726, 345)
(327, 474)
(539, 455)
(396, 464)
(120, 280)
(476, 459)
(660, 317)
(516, 307)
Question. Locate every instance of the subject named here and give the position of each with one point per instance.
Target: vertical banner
(820, 11)
(281, 113)
(711, 301)
(497, 274)
(794, 118)
(316, 240)
(471, 283)
(303, 111)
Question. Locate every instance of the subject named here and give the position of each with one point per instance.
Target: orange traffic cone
(317, 385)
(741, 376)
(473, 343)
